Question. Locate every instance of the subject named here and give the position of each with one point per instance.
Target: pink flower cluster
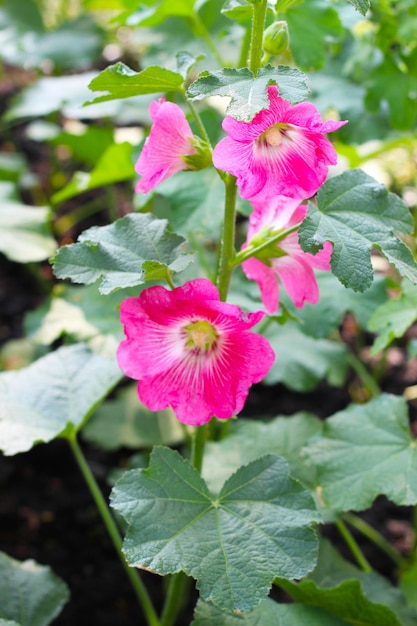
(186, 348)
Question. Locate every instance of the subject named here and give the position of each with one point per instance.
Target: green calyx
(200, 335)
(201, 158)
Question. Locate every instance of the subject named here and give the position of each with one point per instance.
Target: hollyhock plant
(282, 151)
(169, 141)
(283, 259)
(189, 350)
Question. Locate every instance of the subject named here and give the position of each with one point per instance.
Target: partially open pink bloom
(282, 151)
(285, 259)
(168, 142)
(191, 351)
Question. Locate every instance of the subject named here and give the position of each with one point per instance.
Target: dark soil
(47, 512)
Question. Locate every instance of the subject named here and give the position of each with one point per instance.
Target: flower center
(273, 136)
(200, 335)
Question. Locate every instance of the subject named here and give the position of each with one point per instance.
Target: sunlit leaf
(248, 94)
(365, 451)
(60, 390)
(117, 254)
(30, 594)
(356, 213)
(25, 233)
(234, 545)
(120, 81)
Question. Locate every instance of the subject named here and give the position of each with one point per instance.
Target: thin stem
(198, 445)
(374, 536)
(197, 119)
(137, 584)
(244, 50)
(354, 548)
(227, 251)
(258, 24)
(366, 378)
(204, 33)
(249, 252)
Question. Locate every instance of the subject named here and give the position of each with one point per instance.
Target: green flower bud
(276, 38)
(201, 158)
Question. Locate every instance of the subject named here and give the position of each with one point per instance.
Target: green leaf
(186, 61)
(250, 439)
(326, 316)
(312, 25)
(408, 584)
(249, 94)
(361, 5)
(25, 234)
(234, 546)
(356, 213)
(362, 599)
(113, 166)
(303, 361)
(158, 12)
(365, 451)
(268, 613)
(127, 422)
(116, 254)
(30, 594)
(394, 317)
(389, 83)
(58, 391)
(120, 81)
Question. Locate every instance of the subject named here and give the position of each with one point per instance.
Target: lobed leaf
(60, 390)
(120, 81)
(234, 545)
(248, 93)
(357, 213)
(132, 250)
(365, 451)
(30, 594)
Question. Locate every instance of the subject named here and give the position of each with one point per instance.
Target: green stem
(137, 584)
(374, 536)
(251, 251)
(197, 119)
(354, 548)
(227, 250)
(258, 25)
(198, 445)
(366, 378)
(204, 33)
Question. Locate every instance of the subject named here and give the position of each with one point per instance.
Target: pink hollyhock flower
(285, 259)
(282, 151)
(191, 351)
(168, 142)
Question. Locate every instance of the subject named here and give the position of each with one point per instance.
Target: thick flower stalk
(189, 350)
(169, 141)
(282, 151)
(283, 259)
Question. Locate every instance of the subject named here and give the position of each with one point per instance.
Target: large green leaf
(268, 613)
(59, 391)
(25, 234)
(303, 361)
(132, 250)
(126, 422)
(113, 166)
(233, 545)
(362, 599)
(356, 213)
(249, 94)
(365, 451)
(156, 12)
(312, 25)
(361, 5)
(120, 81)
(250, 439)
(394, 317)
(30, 594)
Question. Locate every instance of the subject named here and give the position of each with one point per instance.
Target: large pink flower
(191, 351)
(282, 151)
(168, 142)
(285, 259)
